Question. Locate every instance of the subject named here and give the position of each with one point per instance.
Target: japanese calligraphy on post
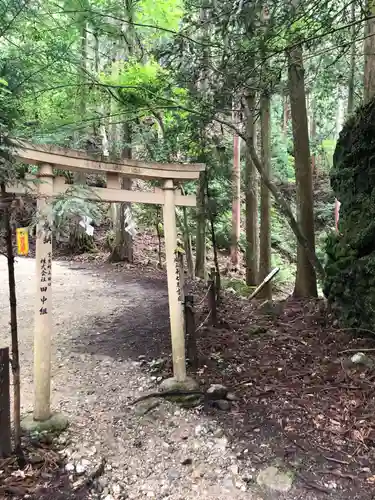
(177, 264)
(45, 261)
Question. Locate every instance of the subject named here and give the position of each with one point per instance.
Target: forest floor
(303, 407)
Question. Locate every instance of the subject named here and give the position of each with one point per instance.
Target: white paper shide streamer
(85, 222)
(129, 222)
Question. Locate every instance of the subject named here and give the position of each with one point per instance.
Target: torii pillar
(43, 298)
(42, 417)
(173, 272)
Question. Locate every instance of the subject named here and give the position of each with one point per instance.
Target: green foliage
(284, 278)
(238, 285)
(149, 216)
(327, 149)
(71, 207)
(141, 85)
(165, 14)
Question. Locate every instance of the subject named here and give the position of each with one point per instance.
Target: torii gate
(49, 157)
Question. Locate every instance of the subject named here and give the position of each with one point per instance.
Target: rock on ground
(275, 479)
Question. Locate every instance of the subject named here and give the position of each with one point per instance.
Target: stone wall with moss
(350, 267)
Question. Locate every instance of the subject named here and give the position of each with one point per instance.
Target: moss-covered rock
(239, 286)
(350, 267)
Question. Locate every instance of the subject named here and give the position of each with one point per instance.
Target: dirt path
(104, 320)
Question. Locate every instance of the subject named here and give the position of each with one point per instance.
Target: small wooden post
(43, 302)
(172, 261)
(5, 431)
(212, 297)
(191, 339)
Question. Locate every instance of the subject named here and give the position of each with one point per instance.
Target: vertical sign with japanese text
(45, 270)
(43, 299)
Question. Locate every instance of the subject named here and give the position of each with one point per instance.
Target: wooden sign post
(173, 274)
(43, 304)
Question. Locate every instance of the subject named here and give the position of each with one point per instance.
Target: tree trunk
(265, 198)
(188, 245)
(123, 247)
(351, 79)
(305, 284)
(312, 122)
(251, 199)
(5, 428)
(340, 113)
(15, 363)
(187, 241)
(217, 279)
(236, 198)
(285, 114)
(202, 86)
(79, 240)
(200, 243)
(369, 54)
(159, 234)
(104, 108)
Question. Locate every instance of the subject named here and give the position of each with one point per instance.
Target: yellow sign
(22, 240)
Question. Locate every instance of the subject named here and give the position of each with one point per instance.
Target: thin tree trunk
(236, 198)
(314, 163)
(80, 241)
(5, 428)
(202, 86)
(214, 245)
(114, 143)
(251, 199)
(123, 246)
(285, 114)
(305, 284)
(158, 232)
(265, 198)
(369, 54)
(100, 127)
(351, 79)
(187, 241)
(200, 243)
(15, 363)
(340, 113)
(83, 55)
(188, 245)
(127, 184)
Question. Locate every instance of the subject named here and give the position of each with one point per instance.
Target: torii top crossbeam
(80, 161)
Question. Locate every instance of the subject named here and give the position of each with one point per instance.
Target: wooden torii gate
(49, 157)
